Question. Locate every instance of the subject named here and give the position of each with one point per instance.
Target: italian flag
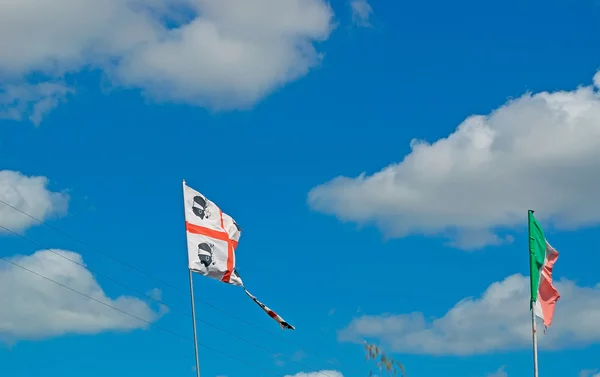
(542, 257)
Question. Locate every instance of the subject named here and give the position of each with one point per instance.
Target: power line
(169, 285)
(180, 311)
(139, 318)
(277, 354)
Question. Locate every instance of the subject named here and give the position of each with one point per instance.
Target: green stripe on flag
(537, 254)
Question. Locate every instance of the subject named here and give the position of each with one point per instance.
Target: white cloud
(30, 195)
(322, 373)
(155, 294)
(499, 373)
(298, 356)
(34, 308)
(33, 101)
(219, 53)
(279, 361)
(499, 320)
(361, 12)
(540, 151)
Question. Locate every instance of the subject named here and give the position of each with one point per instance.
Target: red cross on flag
(212, 237)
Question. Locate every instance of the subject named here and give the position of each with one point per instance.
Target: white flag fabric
(212, 237)
(284, 325)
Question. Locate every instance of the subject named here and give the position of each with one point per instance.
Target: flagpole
(535, 351)
(533, 322)
(193, 306)
(194, 324)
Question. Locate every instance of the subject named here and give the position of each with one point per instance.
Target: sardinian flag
(212, 237)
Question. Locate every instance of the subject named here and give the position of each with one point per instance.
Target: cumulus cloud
(218, 53)
(589, 373)
(361, 12)
(499, 320)
(33, 308)
(322, 373)
(540, 151)
(31, 100)
(30, 195)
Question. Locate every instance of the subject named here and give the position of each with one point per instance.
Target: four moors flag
(212, 237)
(542, 258)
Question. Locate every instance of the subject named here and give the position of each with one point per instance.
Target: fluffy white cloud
(34, 308)
(33, 101)
(498, 320)
(540, 151)
(218, 53)
(322, 373)
(361, 12)
(589, 373)
(30, 195)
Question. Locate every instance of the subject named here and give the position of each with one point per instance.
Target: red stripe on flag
(216, 234)
(227, 275)
(219, 235)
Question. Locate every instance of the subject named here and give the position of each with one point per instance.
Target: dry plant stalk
(384, 362)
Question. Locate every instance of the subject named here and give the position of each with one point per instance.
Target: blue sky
(260, 107)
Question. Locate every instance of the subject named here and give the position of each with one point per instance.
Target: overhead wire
(164, 282)
(169, 331)
(168, 285)
(180, 311)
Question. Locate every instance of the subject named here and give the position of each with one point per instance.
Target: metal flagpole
(533, 322)
(535, 351)
(193, 306)
(194, 325)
